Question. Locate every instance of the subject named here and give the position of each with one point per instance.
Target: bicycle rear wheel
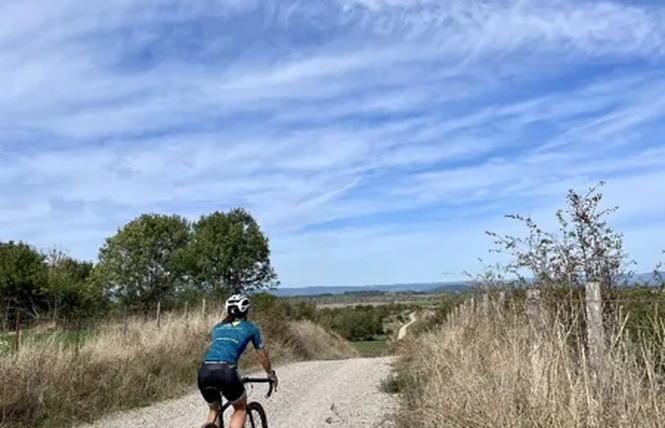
(256, 416)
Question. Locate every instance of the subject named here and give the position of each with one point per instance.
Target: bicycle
(255, 411)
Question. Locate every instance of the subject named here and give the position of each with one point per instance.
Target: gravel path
(402, 330)
(340, 393)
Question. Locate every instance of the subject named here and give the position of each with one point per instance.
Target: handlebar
(260, 380)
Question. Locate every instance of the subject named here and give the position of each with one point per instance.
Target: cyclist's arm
(261, 351)
(265, 360)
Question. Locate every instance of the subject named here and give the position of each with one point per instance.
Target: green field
(371, 348)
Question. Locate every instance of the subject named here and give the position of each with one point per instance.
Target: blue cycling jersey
(229, 340)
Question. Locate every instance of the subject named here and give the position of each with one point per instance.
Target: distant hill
(392, 288)
(647, 278)
(433, 287)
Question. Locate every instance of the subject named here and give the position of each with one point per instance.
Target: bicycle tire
(255, 413)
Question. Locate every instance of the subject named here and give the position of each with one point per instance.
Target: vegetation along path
(337, 393)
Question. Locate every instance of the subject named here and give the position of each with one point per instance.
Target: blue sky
(374, 140)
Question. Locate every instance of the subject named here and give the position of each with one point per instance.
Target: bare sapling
(658, 275)
(583, 249)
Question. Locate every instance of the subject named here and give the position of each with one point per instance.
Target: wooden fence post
(485, 304)
(5, 323)
(18, 329)
(595, 331)
(124, 321)
(186, 307)
(535, 353)
(450, 318)
(78, 337)
(501, 301)
(533, 308)
(159, 313)
(203, 308)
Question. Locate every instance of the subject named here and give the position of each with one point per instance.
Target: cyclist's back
(230, 339)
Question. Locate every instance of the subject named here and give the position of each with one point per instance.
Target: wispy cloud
(375, 140)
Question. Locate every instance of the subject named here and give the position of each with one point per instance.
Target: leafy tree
(585, 249)
(229, 253)
(22, 279)
(303, 311)
(71, 293)
(263, 302)
(139, 265)
(361, 322)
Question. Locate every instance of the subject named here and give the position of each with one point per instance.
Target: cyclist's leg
(234, 391)
(208, 382)
(239, 413)
(212, 415)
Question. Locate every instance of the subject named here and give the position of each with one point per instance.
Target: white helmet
(238, 304)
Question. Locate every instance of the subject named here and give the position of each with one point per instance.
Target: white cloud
(366, 118)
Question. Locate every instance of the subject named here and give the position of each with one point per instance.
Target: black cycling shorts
(216, 378)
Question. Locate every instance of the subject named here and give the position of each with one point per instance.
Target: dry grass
(311, 341)
(48, 384)
(498, 372)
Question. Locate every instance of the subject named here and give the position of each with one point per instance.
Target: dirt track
(404, 328)
(341, 393)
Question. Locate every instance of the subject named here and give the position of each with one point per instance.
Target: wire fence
(594, 316)
(21, 326)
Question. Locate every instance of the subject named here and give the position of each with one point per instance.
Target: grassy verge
(48, 384)
(493, 372)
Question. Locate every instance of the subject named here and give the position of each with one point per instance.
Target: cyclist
(218, 372)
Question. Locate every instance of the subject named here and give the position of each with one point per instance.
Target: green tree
(71, 293)
(229, 253)
(361, 322)
(23, 279)
(139, 266)
(303, 311)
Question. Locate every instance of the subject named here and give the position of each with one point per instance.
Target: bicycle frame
(244, 380)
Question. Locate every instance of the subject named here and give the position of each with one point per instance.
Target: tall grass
(498, 371)
(49, 384)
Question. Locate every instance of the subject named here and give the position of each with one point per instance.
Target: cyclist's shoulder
(238, 326)
(250, 325)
